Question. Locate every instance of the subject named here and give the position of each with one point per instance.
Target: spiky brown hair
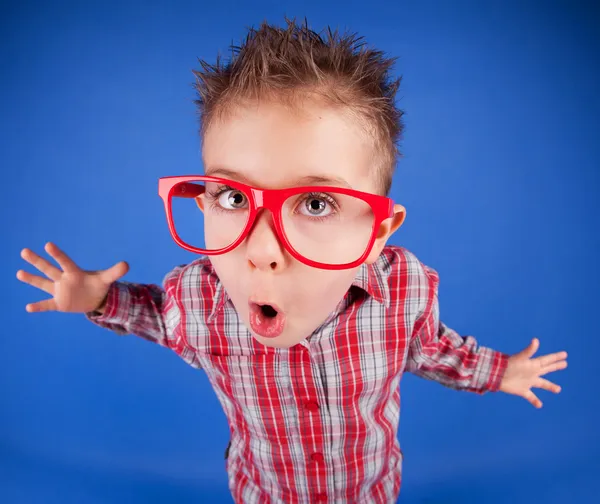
(286, 63)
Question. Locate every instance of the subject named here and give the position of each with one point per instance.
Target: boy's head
(289, 109)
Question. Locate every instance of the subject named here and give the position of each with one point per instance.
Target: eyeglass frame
(272, 200)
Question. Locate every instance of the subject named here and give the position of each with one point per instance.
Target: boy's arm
(439, 353)
(146, 310)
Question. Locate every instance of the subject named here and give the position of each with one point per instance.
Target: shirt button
(317, 457)
(311, 405)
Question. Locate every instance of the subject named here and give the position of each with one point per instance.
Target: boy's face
(271, 147)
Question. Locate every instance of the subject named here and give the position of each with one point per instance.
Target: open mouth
(266, 320)
(268, 311)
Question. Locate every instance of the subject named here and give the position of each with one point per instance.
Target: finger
(65, 262)
(546, 360)
(36, 281)
(557, 366)
(533, 399)
(40, 306)
(547, 385)
(115, 272)
(51, 271)
(531, 349)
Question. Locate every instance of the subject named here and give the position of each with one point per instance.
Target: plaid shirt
(316, 422)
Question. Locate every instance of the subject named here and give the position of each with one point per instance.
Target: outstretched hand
(72, 289)
(525, 372)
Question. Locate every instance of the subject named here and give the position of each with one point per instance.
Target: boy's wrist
(100, 309)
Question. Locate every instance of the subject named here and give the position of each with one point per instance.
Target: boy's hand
(523, 372)
(72, 289)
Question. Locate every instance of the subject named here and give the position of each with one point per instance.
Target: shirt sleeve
(148, 311)
(439, 353)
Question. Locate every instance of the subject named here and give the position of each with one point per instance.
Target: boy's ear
(386, 229)
(200, 201)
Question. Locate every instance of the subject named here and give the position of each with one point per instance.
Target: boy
(301, 316)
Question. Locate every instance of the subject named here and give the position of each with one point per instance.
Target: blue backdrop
(500, 179)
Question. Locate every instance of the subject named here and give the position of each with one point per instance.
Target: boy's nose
(263, 249)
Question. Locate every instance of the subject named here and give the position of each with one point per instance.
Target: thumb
(115, 272)
(532, 348)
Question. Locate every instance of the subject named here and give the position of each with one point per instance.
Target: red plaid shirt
(316, 422)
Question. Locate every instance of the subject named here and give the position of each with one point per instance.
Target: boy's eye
(316, 206)
(233, 199)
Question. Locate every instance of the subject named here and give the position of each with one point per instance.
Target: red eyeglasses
(324, 227)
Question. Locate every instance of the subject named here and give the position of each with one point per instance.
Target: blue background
(500, 179)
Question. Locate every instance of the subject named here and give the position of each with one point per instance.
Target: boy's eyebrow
(306, 180)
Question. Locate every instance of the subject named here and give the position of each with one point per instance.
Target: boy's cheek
(386, 229)
(307, 295)
(376, 251)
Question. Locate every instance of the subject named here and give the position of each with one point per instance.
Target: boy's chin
(282, 341)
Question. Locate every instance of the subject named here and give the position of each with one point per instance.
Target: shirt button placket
(316, 457)
(312, 426)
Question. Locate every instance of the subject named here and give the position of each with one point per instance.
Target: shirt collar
(369, 278)
(220, 300)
